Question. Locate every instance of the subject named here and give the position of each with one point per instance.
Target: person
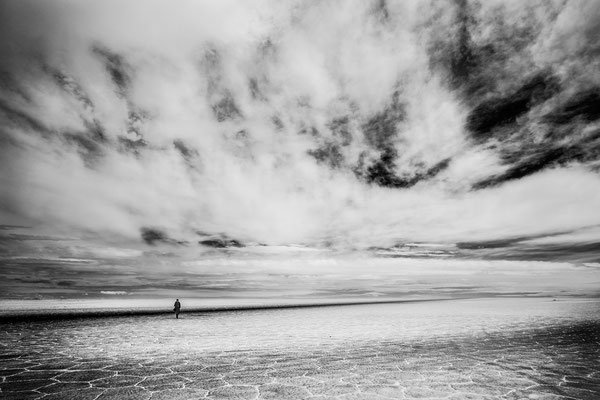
(177, 308)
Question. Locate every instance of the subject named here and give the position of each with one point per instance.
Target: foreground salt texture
(466, 349)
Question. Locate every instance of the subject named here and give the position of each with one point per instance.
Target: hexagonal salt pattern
(59, 360)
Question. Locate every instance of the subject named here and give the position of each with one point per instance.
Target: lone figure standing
(177, 308)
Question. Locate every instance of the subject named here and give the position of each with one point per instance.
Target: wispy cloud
(346, 125)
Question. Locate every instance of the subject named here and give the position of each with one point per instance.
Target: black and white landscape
(436, 164)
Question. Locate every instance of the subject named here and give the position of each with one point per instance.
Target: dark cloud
(115, 64)
(501, 111)
(527, 166)
(220, 243)
(381, 130)
(153, 236)
(187, 153)
(225, 108)
(22, 119)
(523, 251)
(328, 153)
(584, 105)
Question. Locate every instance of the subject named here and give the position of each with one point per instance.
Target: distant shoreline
(72, 313)
(204, 306)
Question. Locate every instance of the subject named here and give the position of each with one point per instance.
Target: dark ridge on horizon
(35, 315)
(50, 315)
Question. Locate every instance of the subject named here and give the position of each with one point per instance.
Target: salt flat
(506, 348)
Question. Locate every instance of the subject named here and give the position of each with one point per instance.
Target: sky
(299, 148)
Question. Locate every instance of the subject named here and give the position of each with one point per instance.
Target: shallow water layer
(472, 349)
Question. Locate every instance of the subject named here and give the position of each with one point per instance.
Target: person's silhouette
(177, 308)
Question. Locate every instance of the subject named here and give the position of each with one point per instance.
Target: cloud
(314, 276)
(338, 124)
